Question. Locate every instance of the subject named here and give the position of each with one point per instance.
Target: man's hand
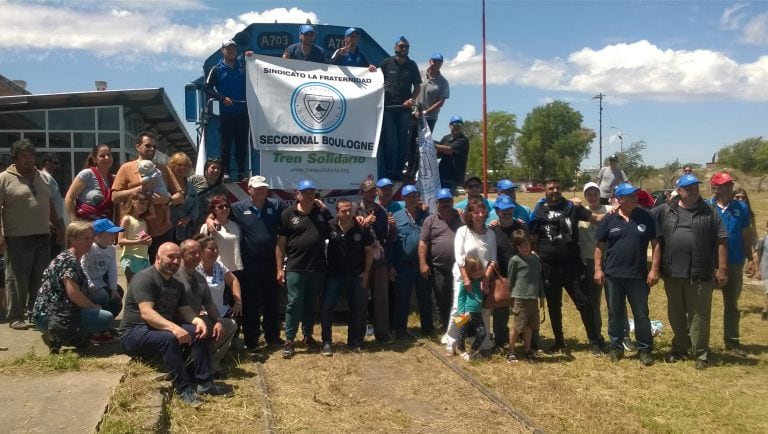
(281, 276)
(218, 331)
(183, 222)
(237, 308)
(424, 269)
(390, 219)
(721, 276)
(493, 223)
(653, 277)
(144, 238)
(576, 201)
(227, 101)
(751, 268)
(599, 277)
(364, 280)
(182, 336)
(392, 274)
(201, 330)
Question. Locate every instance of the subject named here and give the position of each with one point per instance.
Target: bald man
(154, 300)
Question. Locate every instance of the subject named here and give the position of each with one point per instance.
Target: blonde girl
(134, 239)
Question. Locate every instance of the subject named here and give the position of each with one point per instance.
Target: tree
(748, 155)
(501, 140)
(553, 142)
(631, 162)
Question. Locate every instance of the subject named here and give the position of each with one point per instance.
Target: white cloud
(638, 70)
(753, 29)
(756, 30)
(733, 16)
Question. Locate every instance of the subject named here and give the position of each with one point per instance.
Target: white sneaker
(466, 356)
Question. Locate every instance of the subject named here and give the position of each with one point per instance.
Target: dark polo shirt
(439, 234)
(258, 229)
(306, 235)
(346, 250)
(626, 253)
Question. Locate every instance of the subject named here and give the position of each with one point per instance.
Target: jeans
(441, 280)
(556, 277)
(635, 290)
(92, 321)
(689, 307)
(408, 276)
(144, 342)
(595, 297)
(25, 260)
(357, 299)
(103, 297)
(731, 294)
(303, 287)
(379, 284)
(218, 348)
(260, 293)
(393, 146)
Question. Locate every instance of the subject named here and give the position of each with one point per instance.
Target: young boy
(524, 273)
(100, 265)
(471, 302)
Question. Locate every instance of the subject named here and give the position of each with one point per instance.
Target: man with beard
(306, 49)
(401, 87)
(148, 329)
(454, 153)
(554, 224)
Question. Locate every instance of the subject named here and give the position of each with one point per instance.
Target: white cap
(589, 185)
(258, 181)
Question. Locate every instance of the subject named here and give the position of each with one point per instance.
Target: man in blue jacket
(226, 83)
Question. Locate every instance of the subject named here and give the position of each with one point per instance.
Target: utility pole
(600, 97)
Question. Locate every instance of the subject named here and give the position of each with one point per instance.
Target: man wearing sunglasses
(402, 82)
(454, 153)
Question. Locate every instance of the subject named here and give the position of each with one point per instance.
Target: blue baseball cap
(456, 119)
(625, 189)
(444, 193)
(436, 56)
(306, 28)
(409, 189)
(687, 179)
(105, 225)
(505, 184)
(306, 185)
(384, 182)
(503, 202)
(350, 31)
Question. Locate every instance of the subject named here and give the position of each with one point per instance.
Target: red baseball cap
(720, 178)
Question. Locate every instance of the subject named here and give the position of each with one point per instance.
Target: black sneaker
(275, 341)
(532, 355)
(595, 349)
(288, 350)
(702, 364)
(674, 357)
(309, 341)
(558, 347)
(213, 389)
(511, 357)
(629, 345)
(645, 358)
(327, 349)
(54, 346)
(615, 354)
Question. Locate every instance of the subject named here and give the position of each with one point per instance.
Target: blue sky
(687, 77)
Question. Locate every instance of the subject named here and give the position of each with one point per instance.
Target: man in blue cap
(405, 266)
(302, 232)
(401, 87)
(505, 208)
(621, 265)
(693, 251)
(508, 188)
(434, 91)
(453, 150)
(225, 83)
(306, 49)
(350, 54)
(436, 252)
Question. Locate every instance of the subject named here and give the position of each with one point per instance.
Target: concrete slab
(72, 402)
(20, 342)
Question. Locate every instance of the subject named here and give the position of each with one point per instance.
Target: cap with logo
(105, 225)
(409, 189)
(306, 185)
(350, 31)
(456, 119)
(687, 179)
(384, 182)
(367, 185)
(444, 193)
(589, 185)
(720, 178)
(306, 28)
(505, 184)
(625, 189)
(613, 157)
(257, 181)
(503, 202)
(229, 43)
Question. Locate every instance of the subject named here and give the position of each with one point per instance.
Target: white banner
(306, 106)
(284, 169)
(428, 176)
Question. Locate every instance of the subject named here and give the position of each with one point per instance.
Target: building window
(24, 120)
(108, 118)
(71, 119)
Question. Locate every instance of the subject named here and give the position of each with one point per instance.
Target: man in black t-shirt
(454, 153)
(554, 226)
(148, 326)
(302, 232)
(350, 256)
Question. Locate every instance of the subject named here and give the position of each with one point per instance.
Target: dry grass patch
(32, 363)
(132, 407)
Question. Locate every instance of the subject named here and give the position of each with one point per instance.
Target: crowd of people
(202, 270)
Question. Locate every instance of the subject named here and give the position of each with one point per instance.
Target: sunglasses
(474, 186)
(222, 206)
(403, 46)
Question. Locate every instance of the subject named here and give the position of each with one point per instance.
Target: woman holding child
(90, 195)
(473, 239)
